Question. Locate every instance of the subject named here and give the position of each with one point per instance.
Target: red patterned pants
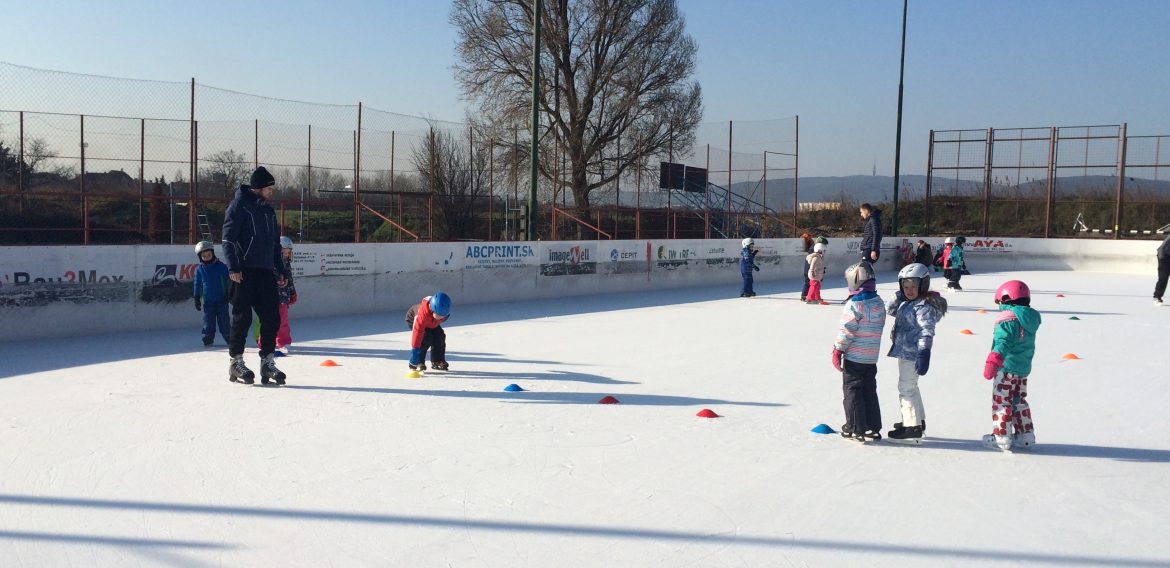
(1009, 404)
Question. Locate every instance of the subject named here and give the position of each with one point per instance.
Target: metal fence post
(1124, 138)
(84, 199)
(929, 181)
(1050, 183)
(357, 179)
(989, 153)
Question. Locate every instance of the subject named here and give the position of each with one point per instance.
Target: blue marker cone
(823, 429)
(513, 388)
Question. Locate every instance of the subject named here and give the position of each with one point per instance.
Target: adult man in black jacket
(1163, 271)
(251, 247)
(871, 236)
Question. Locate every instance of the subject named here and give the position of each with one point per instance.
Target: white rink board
(75, 290)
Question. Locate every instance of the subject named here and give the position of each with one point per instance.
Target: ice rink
(133, 449)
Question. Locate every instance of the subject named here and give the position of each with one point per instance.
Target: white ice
(134, 449)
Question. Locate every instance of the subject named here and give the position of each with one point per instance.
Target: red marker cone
(608, 400)
(707, 413)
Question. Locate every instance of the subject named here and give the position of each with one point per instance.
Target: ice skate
(869, 435)
(207, 341)
(419, 367)
(238, 372)
(1027, 440)
(921, 424)
(1157, 301)
(998, 442)
(269, 372)
(439, 365)
(847, 433)
(906, 435)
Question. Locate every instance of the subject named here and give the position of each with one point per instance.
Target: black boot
(238, 372)
(439, 365)
(907, 433)
(269, 372)
(921, 424)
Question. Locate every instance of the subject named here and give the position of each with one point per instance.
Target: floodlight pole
(898, 142)
(530, 223)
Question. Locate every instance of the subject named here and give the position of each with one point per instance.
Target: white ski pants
(908, 394)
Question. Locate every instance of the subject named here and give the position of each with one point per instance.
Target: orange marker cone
(966, 332)
(980, 311)
(329, 363)
(1070, 356)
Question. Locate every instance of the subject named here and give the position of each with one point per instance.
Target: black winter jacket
(1164, 249)
(871, 238)
(251, 237)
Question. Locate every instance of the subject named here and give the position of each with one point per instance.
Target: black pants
(861, 402)
(257, 291)
(953, 275)
(804, 291)
(435, 340)
(1163, 275)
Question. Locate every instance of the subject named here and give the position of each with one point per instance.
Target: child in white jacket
(816, 273)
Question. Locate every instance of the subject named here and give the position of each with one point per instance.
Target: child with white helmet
(747, 264)
(211, 285)
(953, 261)
(1008, 365)
(915, 309)
(816, 273)
(855, 354)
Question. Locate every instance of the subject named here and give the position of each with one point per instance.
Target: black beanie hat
(261, 179)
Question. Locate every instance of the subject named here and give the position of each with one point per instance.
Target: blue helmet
(441, 304)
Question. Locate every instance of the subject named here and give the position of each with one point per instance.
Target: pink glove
(993, 365)
(292, 300)
(838, 356)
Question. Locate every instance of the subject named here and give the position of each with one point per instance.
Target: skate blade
(905, 441)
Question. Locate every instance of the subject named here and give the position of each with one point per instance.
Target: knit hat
(261, 179)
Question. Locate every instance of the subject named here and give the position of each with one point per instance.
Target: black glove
(756, 268)
(922, 362)
(899, 297)
(198, 305)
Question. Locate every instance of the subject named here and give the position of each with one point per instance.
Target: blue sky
(969, 64)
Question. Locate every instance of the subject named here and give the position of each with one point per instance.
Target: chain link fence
(76, 169)
(1043, 182)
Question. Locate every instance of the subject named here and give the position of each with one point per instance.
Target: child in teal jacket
(1009, 364)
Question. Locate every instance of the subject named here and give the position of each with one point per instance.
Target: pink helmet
(1012, 290)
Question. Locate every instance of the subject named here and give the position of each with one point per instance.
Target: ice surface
(134, 449)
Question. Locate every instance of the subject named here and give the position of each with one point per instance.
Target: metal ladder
(205, 228)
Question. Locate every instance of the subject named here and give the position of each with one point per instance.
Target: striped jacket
(862, 321)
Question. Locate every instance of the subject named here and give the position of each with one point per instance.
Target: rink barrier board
(80, 290)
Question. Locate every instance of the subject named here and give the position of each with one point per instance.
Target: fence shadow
(1143, 455)
(783, 542)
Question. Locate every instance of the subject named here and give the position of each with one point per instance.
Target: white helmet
(202, 246)
(286, 243)
(948, 241)
(919, 271)
(747, 242)
(819, 247)
(857, 275)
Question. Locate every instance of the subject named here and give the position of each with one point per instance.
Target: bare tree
(227, 171)
(610, 70)
(36, 151)
(457, 175)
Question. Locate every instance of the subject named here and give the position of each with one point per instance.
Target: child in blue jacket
(747, 263)
(211, 278)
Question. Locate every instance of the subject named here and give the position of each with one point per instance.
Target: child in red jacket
(425, 321)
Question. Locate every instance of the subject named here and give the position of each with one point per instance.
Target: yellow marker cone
(413, 374)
